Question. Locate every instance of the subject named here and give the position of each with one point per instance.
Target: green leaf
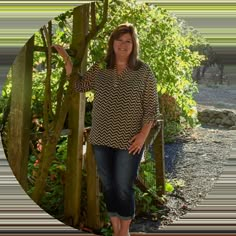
(169, 187)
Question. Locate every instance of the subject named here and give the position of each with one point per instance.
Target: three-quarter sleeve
(150, 99)
(86, 82)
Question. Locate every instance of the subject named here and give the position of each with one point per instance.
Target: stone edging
(219, 118)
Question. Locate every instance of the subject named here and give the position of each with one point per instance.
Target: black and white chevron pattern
(123, 103)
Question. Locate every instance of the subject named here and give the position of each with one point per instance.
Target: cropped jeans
(117, 170)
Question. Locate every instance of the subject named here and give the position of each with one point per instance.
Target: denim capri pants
(117, 170)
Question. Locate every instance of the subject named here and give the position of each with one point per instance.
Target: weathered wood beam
(158, 152)
(93, 190)
(20, 113)
(76, 122)
(45, 49)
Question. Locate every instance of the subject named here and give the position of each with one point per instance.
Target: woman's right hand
(62, 52)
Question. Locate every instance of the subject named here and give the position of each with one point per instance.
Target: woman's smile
(123, 45)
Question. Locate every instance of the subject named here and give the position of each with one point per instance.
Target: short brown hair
(119, 31)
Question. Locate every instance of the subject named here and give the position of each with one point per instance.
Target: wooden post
(20, 113)
(158, 150)
(76, 125)
(93, 198)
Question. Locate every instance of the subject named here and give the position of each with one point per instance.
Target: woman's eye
(120, 40)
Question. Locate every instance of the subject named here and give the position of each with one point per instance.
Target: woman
(124, 110)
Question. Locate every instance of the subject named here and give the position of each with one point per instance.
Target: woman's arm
(150, 114)
(68, 63)
(82, 83)
(138, 140)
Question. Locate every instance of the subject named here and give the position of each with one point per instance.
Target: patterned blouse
(122, 104)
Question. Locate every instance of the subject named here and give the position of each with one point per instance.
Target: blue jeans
(117, 170)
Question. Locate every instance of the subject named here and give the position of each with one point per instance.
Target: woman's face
(123, 46)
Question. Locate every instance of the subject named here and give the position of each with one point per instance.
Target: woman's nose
(123, 43)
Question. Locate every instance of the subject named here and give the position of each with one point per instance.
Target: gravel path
(218, 97)
(197, 159)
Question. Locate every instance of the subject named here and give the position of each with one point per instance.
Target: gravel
(197, 159)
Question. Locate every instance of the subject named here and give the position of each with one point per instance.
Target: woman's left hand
(137, 143)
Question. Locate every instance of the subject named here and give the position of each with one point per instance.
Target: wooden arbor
(20, 119)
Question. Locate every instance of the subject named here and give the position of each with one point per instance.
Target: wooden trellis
(20, 122)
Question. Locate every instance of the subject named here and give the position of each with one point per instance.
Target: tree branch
(45, 103)
(94, 31)
(62, 117)
(93, 16)
(60, 92)
(48, 34)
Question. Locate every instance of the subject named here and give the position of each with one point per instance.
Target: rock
(226, 121)
(218, 121)
(218, 118)
(221, 115)
(232, 116)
